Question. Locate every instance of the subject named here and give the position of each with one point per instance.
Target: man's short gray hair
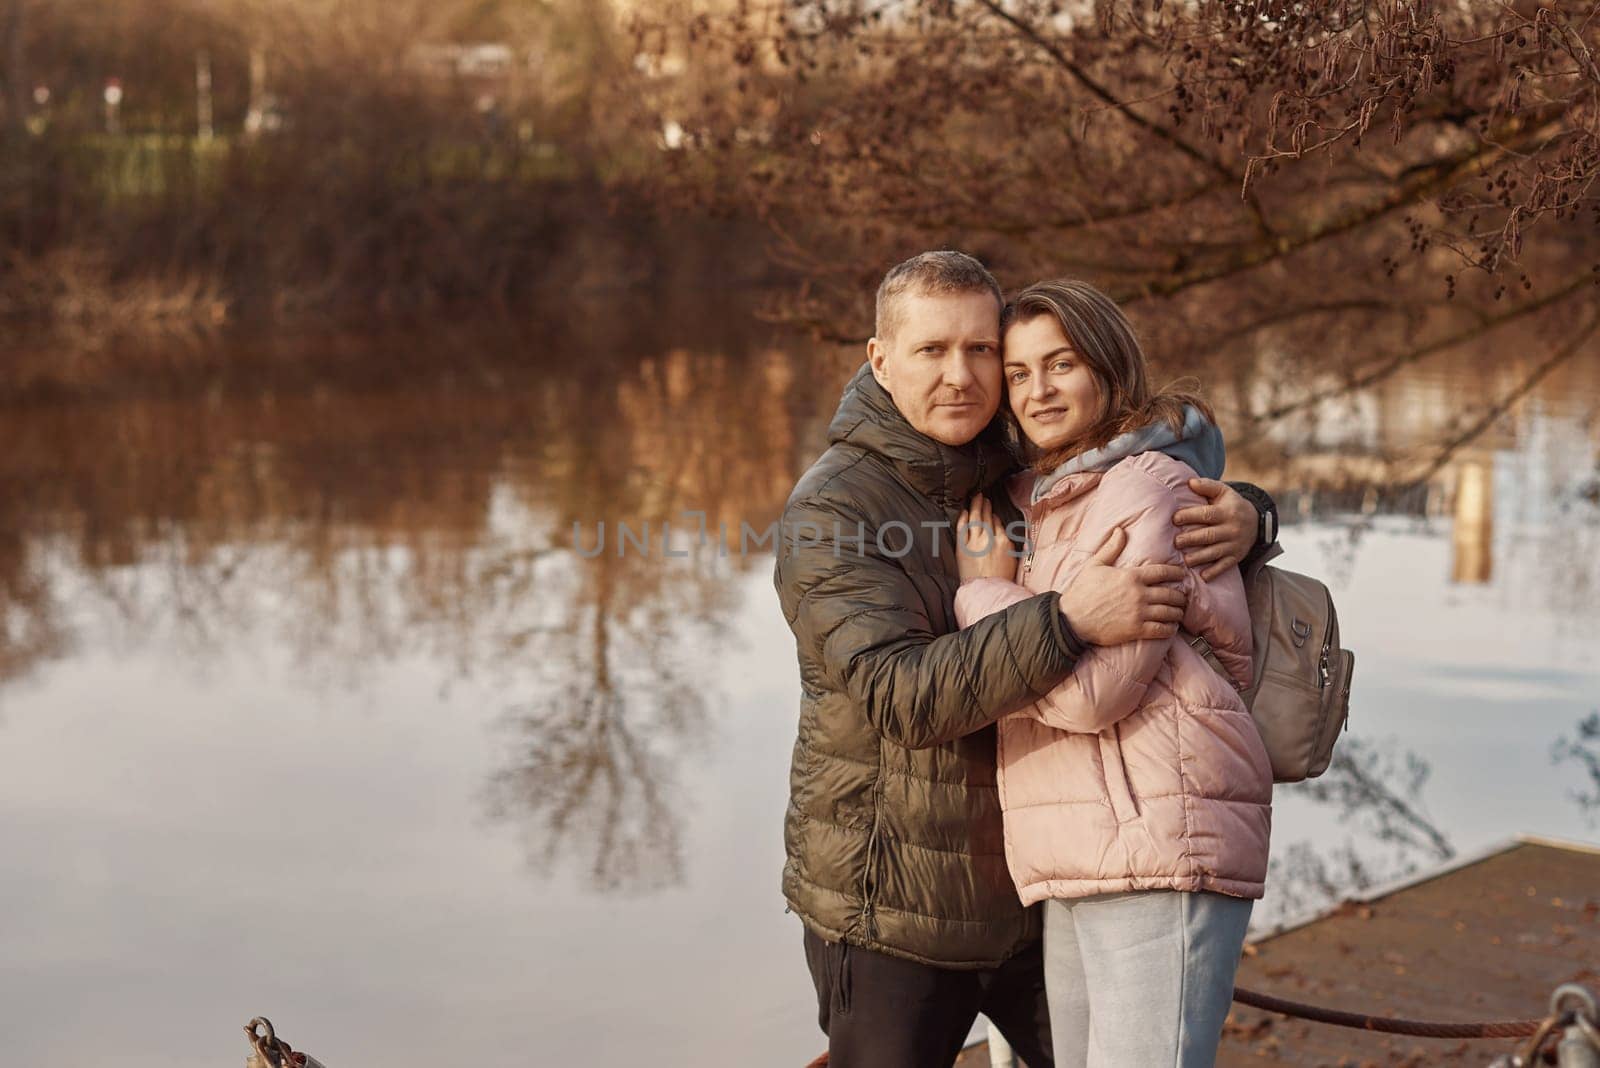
(931, 273)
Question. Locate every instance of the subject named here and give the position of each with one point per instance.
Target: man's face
(942, 364)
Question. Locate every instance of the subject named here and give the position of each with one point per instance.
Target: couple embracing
(1017, 790)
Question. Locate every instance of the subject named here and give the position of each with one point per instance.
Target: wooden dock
(1484, 938)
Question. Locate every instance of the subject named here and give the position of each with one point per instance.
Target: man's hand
(982, 548)
(1108, 605)
(1220, 533)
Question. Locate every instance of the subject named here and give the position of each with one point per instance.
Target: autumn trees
(1335, 189)
(343, 157)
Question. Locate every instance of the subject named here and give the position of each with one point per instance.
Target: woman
(1137, 794)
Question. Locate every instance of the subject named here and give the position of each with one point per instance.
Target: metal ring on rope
(261, 1033)
(271, 1049)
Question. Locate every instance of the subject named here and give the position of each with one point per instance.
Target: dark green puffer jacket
(893, 829)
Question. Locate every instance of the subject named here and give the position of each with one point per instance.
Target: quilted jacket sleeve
(1219, 612)
(985, 596)
(859, 616)
(1110, 680)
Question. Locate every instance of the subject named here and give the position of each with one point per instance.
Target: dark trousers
(883, 1012)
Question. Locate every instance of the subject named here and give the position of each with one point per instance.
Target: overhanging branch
(1405, 359)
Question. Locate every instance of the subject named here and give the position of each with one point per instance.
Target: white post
(256, 117)
(113, 99)
(1000, 1054)
(202, 91)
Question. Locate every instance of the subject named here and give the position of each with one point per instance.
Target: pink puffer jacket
(1142, 770)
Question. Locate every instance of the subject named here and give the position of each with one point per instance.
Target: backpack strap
(1252, 566)
(1209, 655)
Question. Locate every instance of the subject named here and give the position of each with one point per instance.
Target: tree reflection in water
(352, 502)
(31, 627)
(621, 708)
(598, 751)
(356, 501)
(1583, 750)
(1377, 796)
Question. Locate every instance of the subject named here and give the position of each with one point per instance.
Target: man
(895, 847)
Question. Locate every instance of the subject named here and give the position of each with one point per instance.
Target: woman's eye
(1062, 365)
(1018, 376)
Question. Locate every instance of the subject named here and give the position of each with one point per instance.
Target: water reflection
(358, 507)
(597, 751)
(599, 745)
(1374, 794)
(363, 523)
(1582, 749)
(1522, 496)
(31, 627)
(1472, 534)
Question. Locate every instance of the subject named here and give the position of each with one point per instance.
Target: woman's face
(1053, 394)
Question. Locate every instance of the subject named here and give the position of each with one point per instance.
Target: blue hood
(1198, 444)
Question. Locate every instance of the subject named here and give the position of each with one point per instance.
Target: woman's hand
(982, 548)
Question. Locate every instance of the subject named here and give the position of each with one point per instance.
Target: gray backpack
(1300, 696)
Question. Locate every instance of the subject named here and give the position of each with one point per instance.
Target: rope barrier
(1387, 1024)
(1392, 1025)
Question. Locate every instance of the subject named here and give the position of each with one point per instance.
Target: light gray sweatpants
(1141, 979)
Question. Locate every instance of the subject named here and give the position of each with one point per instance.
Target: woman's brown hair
(1103, 339)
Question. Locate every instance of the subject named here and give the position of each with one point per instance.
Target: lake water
(310, 708)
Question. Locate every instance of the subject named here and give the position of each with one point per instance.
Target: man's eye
(983, 348)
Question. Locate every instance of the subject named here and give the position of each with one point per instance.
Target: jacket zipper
(869, 883)
(1027, 561)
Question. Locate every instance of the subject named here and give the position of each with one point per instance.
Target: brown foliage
(390, 156)
(1342, 187)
